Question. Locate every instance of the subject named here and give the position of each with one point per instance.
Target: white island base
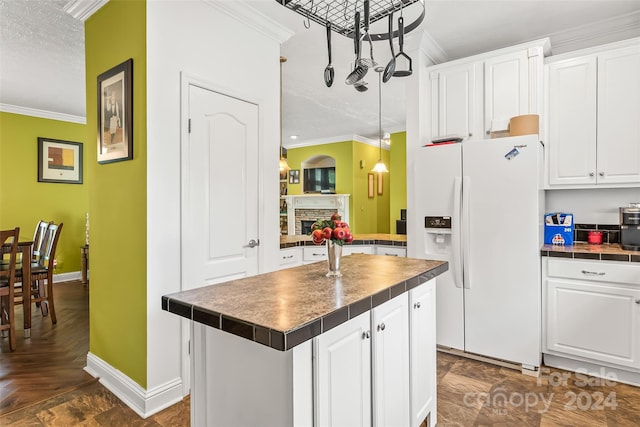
(378, 368)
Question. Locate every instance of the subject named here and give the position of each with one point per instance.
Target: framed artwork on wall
(380, 183)
(59, 161)
(294, 176)
(370, 177)
(115, 113)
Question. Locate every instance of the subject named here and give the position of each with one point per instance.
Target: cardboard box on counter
(558, 228)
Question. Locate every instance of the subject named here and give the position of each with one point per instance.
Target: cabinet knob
(470, 134)
(592, 174)
(638, 301)
(366, 335)
(416, 305)
(381, 327)
(601, 173)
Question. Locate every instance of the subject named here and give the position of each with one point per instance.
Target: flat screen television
(319, 180)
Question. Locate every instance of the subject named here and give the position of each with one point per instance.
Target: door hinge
(189, 126)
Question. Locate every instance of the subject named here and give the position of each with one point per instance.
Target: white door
(342, 377)
(501, 249)
(618, 113)
(572, 121)
(219, 172)
(390, 329)
(220, 217)
(506, 87)
(422, 308)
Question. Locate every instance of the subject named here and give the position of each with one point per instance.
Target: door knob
(253, 243)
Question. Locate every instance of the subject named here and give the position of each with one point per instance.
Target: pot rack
(341, 13)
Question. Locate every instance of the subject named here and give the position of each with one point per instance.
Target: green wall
(398, 178)
(117, 203)
(24, 201)
(366, 215)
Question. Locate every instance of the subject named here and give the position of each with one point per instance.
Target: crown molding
(247, 15)
(83, 9)
(333, 140)
(43, 114)
(597, 33)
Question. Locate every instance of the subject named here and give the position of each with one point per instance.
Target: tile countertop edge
(358, 240)
(586, 251)
(285, 340)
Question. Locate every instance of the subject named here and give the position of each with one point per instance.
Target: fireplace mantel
(332, 202)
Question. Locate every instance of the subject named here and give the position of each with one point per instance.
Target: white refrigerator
(480, 206)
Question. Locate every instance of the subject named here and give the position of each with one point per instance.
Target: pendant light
(284, 166)
(380, 166)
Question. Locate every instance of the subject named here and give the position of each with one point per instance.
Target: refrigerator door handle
(456, 255)
(466, 225)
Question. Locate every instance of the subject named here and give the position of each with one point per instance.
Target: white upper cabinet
(619, 116)
(572, 121)
(594, 119)
(468, 95)
(506, 88)
(456, 90)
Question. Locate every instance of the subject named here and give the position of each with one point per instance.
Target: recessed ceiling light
(294, 137)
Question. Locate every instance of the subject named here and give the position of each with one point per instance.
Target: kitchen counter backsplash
(611, 233)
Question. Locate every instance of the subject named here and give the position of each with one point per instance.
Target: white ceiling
(42, 55)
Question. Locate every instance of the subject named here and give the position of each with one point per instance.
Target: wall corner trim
(251, 17)
(83, 9)
(144, 402)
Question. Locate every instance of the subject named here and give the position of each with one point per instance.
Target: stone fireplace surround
(311, 207)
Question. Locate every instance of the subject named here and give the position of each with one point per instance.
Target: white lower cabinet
(342, 372)
(290, 257)
(357, 249)
(593, 311)
(390, 367)
(422, 323)
(381, 364)
(400, 251)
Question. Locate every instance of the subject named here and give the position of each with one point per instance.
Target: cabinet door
(422, 343)
(572, 121)
(457, 94)
(390, 328)
(618, 113)
(506, 87)
(598, 321)
(343, 374)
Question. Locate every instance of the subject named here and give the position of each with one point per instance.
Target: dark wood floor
(42, 384)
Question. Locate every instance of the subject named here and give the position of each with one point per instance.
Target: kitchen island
(295, 348)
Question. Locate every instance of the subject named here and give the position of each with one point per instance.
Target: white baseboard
(67, 277)
(144, 402)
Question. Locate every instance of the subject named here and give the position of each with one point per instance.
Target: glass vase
(334, 252)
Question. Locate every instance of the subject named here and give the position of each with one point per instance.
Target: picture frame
(294, 176)
(370, 178)
(380, 180)
(115, 113)
(59, 161)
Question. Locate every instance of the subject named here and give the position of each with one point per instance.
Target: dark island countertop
(284, 308)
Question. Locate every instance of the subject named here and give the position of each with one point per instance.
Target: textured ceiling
(42, 55)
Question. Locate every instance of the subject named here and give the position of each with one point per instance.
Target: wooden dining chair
(38, 239)
(9, 241)
(42, 272)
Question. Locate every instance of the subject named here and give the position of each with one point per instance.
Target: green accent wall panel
(118, 230)
(398, 178)
(24, 201)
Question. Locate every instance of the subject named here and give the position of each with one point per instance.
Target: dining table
(24, 248)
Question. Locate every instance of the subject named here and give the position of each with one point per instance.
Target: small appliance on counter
(630, 227)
